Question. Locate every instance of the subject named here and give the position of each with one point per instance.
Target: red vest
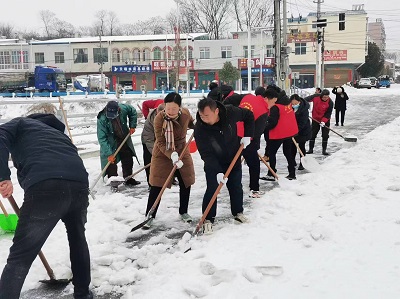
(287, 124)
(319, 109)
(255, 104)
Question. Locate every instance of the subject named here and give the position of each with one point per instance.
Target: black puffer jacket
(218, 143)
(40, 151)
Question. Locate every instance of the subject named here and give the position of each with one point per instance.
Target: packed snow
(332, 233)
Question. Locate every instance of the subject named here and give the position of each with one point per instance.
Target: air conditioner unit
(134, 62)
(198, 59)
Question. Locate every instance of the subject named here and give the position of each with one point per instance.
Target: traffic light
(341, 21)
(319, 36)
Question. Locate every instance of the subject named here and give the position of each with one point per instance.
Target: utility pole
(277, 41)
(248, 58)
(322, 59)
(284, 53)
(318, 81)
(101, 67)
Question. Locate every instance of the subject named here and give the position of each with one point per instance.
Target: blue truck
(383, 81)
(44, 79)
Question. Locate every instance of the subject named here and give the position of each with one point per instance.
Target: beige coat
(161, 163)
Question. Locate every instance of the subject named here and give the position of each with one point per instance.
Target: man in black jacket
(218, 142)
(55, 183)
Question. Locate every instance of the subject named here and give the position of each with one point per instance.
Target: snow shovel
(214, 197)
(348, 139)
(52, 281)
(108, 164)
(8, 222)
(158, 199)
(269, 167)
(308, 162)
(116, 183)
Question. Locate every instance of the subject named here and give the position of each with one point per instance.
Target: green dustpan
(8, 224)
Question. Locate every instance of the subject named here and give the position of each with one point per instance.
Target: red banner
(161, 65)
(335, 55)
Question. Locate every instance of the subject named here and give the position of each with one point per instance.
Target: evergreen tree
(374, 62)
(229, 73)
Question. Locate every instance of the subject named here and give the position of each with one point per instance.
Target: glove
(322, 124)
(111, 159)
(245, 141)
(132, 130)
(174, 157)
(220, 178)
(175, 160)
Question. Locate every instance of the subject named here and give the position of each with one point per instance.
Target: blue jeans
(235, 190)
(45, 203)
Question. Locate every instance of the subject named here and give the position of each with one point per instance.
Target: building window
(39, 58)
(168, 51)
(146, 54)
(157, 54)
(5, 60)
(190, 53)
(300, 48)
(59, 57)
(205, 53)
(81, 55)
(245, 51)
(126, 56)
(100, 55)
(116, 56)
(136, 56)
(269, 51)
(226, 52)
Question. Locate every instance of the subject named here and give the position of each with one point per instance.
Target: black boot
(292, 173)
(310, 147)
(324, 146)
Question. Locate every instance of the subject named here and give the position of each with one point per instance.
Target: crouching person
(217, 141)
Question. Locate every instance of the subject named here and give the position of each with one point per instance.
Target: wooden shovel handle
(214, 197)
(3, 209)
(298, 147)
(41, 255)
(169, 178)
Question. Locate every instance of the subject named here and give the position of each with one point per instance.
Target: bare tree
(63, 29)
(48, 17)
(101, 22)
(210, 15)
(6, 30)
(186, 21)
(253, 13)
(112, 22)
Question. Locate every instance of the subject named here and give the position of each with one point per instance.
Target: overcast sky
(24, 14)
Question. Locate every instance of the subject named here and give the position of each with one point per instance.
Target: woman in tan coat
(170, 128)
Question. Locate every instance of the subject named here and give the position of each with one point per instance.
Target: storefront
(267, 69)
(163, 75)
(137, 76)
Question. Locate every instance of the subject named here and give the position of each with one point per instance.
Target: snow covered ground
(333, 233)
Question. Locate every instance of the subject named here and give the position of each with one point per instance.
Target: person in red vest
(259, 107)
(282, 127)
(321, 112)
(150, 104)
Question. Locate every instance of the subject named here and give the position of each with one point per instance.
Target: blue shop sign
(265, 70)
(131, 69)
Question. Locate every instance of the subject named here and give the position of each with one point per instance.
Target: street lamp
(187, 64)
(177, 34)
(249, 58)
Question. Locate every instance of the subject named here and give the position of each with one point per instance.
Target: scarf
(168, 127)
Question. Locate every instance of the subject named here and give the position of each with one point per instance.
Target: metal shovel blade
(310, 163)
(56, 283)
(350, 139)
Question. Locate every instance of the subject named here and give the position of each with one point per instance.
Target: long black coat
(303, 121)
(218, 143)
(341, 99)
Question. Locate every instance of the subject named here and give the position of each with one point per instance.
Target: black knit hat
(259, 91)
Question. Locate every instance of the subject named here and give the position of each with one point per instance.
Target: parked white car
(364, 83)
